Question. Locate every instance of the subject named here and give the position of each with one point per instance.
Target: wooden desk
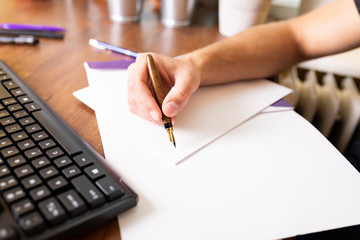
(54, 68)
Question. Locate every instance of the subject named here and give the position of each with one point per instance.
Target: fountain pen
(159, 94)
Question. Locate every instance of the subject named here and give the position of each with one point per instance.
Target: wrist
(198, 64)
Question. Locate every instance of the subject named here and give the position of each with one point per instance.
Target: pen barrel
(166, 121)
(159, 94)
(155, 80)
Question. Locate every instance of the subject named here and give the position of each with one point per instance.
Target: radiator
(328, 98)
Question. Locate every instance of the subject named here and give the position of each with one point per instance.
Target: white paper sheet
(198, 124)
(345, 64)
(272, 177)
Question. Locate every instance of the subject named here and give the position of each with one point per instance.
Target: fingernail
(155, 116)
(171, 109)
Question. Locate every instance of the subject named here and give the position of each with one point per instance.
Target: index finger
(140, 98)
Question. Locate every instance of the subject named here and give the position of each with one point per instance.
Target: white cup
(308, 5)
(124, 10)
(237, 15)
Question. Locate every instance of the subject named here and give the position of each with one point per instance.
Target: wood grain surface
(54, 68)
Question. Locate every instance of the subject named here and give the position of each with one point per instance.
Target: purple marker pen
(15, 26)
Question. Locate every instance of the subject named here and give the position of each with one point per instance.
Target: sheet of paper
(344, 64)
(86, 96)
(210, 113)
(272, 177)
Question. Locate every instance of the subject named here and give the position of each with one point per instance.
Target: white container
(238, 15)
(309, 5)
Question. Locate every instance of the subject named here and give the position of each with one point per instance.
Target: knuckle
(183, 93)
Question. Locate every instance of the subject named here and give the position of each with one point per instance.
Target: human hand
(180, 79)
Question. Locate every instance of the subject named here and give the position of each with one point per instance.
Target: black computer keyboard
(52, 183)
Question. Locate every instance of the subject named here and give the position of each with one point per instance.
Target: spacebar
(59, 132)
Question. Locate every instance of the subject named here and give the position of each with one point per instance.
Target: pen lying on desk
(17, 26)
(29, 40)
(37, 33)
(105, 46)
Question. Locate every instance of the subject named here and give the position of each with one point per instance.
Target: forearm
(256, 53)
(268, 49)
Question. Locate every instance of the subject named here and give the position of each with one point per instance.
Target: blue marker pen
(105, 46)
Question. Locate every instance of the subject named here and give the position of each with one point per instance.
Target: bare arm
(258, 52)
(269, 49)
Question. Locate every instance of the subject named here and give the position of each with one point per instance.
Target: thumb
(177, 97)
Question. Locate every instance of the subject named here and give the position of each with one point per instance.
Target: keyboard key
(62, 162)
(10, 84)
(13, 128)
(33, 128)
(110, 188)
(9, 101)
(31, 181)
(32, 223)
(46, 144)
(4, 170)
(83, 160)
(7, 121)
(14, 194)
(16, 161)
(4, 113)
(17, 92)
(40, 162)
(53, 212)
(19, 136)
(94, 171)
(8, 233)
(4, 77)
(33, 153)
(10, 151)
(31, 107)
(7, 182)
(26, 144)
(24, 99)
(4, 142)
(15, 107)
(71, 171)
(22, 207)
(20, 114)
(58, 183)
(39, 193)
(48, 172)
(26, 121)
(39, 136)
(23, 171)
(72, 202)
(88, 191)
(55, 152)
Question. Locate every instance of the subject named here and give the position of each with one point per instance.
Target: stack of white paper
(271, 177)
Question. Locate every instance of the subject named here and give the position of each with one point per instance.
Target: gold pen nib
(171, 135)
